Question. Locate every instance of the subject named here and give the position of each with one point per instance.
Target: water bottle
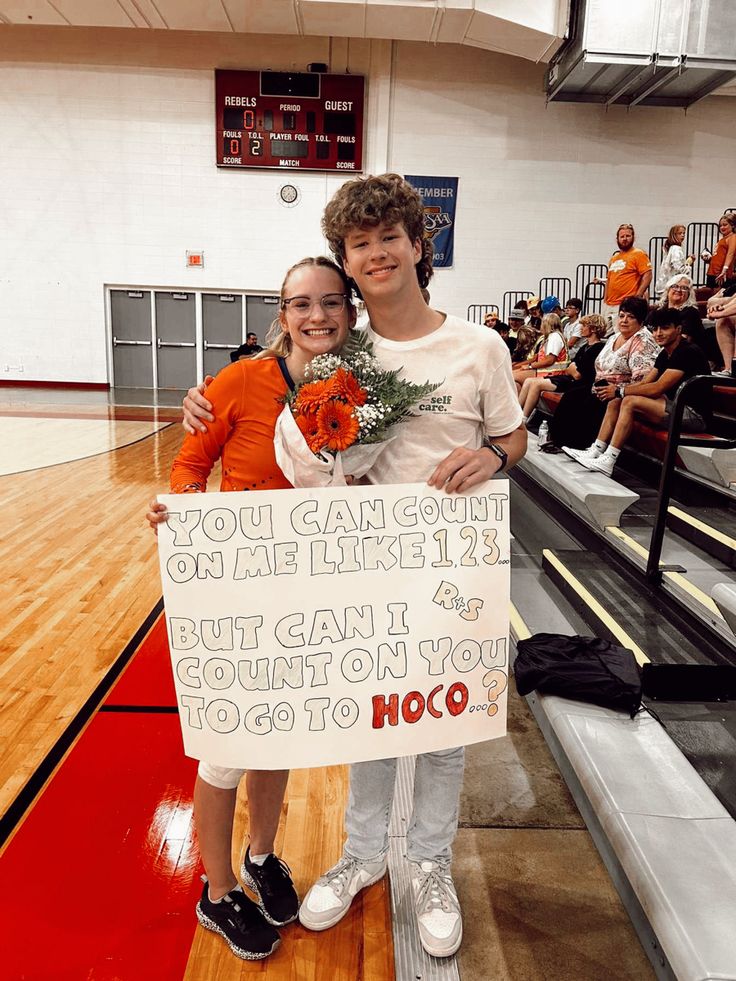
(543, 434)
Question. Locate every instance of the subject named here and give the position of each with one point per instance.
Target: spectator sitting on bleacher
(491, 318)
(534, 310)
(248, 349)
(722, 304)
(571, 326)
(679, 294)
(518, 318)
(722, 310)
(504, 331)
(579, 373)
(627, 356)
(652, 399)
(549, 354)
(674, 261)
(550, 304)
(526, 338)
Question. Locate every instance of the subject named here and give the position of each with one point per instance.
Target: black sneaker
(240, 922)
(271, 882)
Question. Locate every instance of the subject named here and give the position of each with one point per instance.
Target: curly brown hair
(369, 201)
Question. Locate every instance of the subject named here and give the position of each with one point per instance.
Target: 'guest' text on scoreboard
(289, 120)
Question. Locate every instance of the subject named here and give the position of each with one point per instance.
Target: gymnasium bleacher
(703, 464)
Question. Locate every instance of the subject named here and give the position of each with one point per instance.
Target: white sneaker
(603, 464)
(590, 452)
(437, 908)
(330, 897)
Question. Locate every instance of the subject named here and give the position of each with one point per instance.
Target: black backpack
(587, 669)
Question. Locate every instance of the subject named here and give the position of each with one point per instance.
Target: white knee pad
(219, 776)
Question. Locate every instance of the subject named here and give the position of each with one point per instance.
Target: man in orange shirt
(629, 274)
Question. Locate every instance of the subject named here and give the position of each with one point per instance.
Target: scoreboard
(289, 120)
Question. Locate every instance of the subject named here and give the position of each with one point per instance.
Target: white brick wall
(543, 188)
(108, 176)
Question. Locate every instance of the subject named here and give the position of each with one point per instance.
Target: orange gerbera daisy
(346, 386)
(337, 425)
(310, 431)
(311, 396)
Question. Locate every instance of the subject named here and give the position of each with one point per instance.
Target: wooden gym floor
(99, 860)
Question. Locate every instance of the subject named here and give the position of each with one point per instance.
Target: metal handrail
(675, 440)
(476, 312)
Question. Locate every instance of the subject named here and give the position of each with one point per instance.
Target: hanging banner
(439, 195)
(321, 626)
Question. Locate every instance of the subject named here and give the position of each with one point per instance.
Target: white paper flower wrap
(302, 468)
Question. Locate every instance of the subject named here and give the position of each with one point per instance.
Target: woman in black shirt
(580, 372)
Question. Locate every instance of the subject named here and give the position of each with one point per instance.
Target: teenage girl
(315, 316)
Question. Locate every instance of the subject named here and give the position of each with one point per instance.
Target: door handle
(160, 343)
(220, 347)
(118, 342)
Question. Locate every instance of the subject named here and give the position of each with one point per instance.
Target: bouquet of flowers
(337, 420)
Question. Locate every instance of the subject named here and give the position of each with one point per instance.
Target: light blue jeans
(437, 781)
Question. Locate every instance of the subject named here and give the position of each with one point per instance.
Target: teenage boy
(375, 229)
(652, 398)
(571, 326)
(504, 332)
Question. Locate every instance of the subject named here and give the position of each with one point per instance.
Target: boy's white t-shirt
(477, 396)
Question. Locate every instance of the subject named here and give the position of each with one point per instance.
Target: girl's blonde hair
(278, 341)
(550, 323)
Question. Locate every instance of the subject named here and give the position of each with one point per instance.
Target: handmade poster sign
(333, 625)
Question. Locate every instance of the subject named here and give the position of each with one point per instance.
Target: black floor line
(46, 767)
(141, 709)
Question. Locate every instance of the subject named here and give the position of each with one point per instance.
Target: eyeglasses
(302, 306)
(680, 289)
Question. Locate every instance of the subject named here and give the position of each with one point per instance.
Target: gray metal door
(175, 340)
(222, 325)
(132, 360)
(259, 313)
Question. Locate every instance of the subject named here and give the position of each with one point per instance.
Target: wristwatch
(500, 453)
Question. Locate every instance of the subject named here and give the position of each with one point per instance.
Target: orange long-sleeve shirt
(246, 398)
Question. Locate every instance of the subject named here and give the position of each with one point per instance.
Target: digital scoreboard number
(289, 120)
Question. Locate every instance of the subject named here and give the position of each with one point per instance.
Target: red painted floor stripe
(148, 679)
(102, 878)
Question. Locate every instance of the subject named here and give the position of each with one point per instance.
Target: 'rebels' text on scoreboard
(289, 120)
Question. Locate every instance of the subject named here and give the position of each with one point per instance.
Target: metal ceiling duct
(644, 52)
